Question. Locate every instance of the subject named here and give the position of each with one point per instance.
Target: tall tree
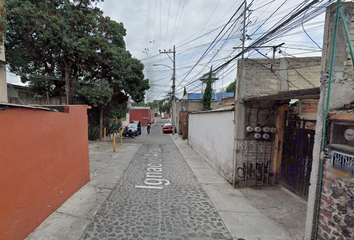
(2, 20)
(231, 88)
(184, 91)
(99, 94)
(57, 44)
(208, 93)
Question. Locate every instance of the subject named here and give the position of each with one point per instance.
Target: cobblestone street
(157, 197)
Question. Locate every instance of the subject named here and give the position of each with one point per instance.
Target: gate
(255, 163)
(296, 163)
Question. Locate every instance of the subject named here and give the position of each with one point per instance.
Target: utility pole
(239, 117)
(173, 88)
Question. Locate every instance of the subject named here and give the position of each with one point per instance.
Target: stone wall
(266, 77)
(337, 207)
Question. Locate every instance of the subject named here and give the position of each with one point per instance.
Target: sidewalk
(239, 213)
(237, 210)
(72, 218)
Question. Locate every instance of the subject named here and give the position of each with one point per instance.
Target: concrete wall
(211, 136)
(301, 73)
(44, 160)
(343, 76)
(196, 105)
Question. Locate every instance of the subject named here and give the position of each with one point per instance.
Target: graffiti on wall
(254, 160)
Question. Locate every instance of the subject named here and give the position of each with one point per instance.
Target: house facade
(269, 120)
(330, 211)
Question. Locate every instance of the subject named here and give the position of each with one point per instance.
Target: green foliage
(165, 107)
(49, 43)
(2, 21)
(208, 93)
(72, 40)
(231, 88)
(113, 127)
(93, 133)
(184, 91)
(98, 94)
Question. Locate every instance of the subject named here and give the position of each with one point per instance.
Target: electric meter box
(342, 133)
(342, 148)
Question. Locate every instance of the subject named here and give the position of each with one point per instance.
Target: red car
(167, 128)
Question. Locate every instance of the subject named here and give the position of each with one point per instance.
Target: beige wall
(196, 105)
(287, 74)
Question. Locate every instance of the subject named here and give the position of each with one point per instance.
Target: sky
(204, 33)
(154, 25)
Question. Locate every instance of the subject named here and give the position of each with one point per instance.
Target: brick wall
(228, 101)
(183, 127)
(337, 207)
(296, 73)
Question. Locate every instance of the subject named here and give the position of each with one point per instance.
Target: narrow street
(157, 187)
(157, 197)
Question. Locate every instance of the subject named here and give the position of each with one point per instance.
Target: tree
(57, 44)
(184, 91)
(98, 95)
(231, 88)
(208, 93)
(2, 20)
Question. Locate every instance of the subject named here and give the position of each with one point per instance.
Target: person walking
(139, 128)
(148, 127)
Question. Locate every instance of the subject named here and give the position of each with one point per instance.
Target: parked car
(167, 128)
(131, 130)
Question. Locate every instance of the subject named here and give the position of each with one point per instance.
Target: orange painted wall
(44, 159)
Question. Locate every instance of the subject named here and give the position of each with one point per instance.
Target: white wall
(211, 135)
